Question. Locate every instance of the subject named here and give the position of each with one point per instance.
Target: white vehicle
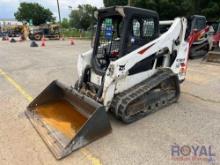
(131, 71)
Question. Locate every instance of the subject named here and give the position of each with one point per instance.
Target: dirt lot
(193, 121)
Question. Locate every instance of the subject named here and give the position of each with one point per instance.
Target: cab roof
(125, 10)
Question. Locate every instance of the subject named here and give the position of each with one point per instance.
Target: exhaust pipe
(67, 120)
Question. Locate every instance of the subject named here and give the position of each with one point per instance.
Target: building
(8, 22)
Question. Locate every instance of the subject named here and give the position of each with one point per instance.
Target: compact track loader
(132, 70)
(199, 37)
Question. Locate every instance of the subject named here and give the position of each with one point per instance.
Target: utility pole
(58, 6)
(129, 2)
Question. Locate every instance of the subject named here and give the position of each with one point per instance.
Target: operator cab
(195, 24)
(121, 30)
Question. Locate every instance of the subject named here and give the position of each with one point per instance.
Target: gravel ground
(194, 120)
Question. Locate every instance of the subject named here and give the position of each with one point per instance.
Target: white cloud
(8, 7)
(9, 1)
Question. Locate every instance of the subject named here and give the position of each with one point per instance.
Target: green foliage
(65, 23)
(76, 33)
(169, 9)
(83, 17)
(115, 2)
(211, 9)
(34, 11)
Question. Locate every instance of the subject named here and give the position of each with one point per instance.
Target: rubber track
(121, 101)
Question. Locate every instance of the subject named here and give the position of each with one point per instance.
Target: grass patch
(76, 33)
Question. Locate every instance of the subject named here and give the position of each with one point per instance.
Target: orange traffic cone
(21, 38)
(62, 38)
(43, 41)
(72, 41)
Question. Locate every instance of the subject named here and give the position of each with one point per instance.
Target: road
(193, 121)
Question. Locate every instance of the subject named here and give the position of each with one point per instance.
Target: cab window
(142, 31)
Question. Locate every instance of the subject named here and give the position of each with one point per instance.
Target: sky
(9, 7)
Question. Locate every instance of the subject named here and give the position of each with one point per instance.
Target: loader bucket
(67, 120)
(214, 56)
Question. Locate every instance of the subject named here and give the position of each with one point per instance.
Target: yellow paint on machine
(21, 90)
(61, 115)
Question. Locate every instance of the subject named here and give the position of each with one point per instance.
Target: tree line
(169, 9)
(83, 17)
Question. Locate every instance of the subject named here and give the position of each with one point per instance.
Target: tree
(211, 9)
(65, 23)
(169, 9)
(34, 12)
(83, 17)
(108, 3)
